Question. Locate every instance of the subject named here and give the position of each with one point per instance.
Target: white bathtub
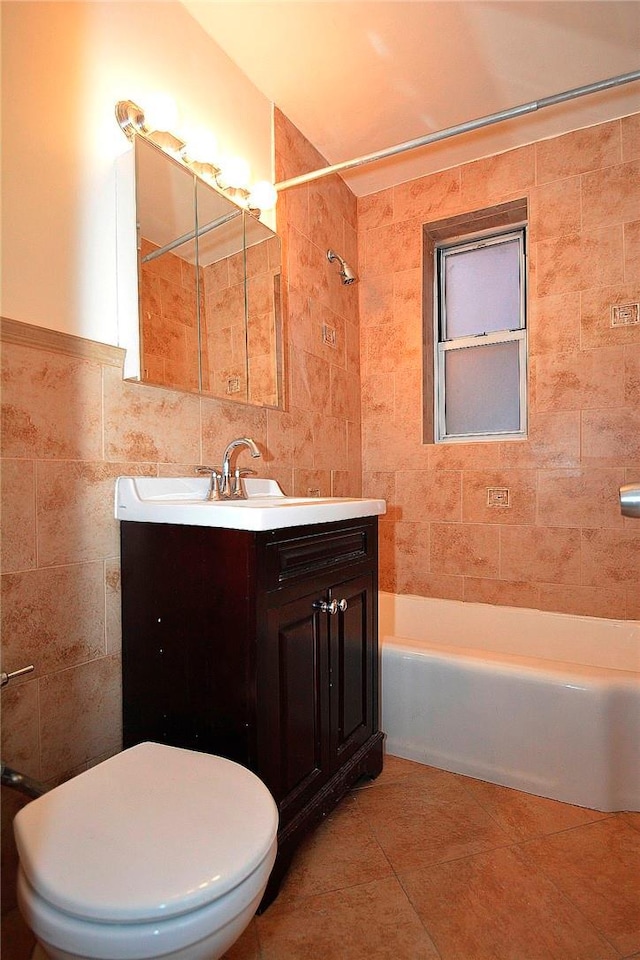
(543, 702)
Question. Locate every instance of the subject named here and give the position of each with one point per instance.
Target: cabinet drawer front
(297, 557)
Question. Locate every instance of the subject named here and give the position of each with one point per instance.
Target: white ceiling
(356, 77)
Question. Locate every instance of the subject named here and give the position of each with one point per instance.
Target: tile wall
(71, 425)
(562, 544)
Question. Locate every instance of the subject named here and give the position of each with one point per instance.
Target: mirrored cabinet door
(223, 310)
(167, 270)
(264, 348)
(208, 275)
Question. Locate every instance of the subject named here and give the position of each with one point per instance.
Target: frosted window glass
(482, 290)
(482, 389)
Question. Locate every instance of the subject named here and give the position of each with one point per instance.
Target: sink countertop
(181, 500)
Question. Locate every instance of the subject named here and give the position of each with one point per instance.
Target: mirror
(208, 284)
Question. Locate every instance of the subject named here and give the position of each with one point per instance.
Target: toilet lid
(153, 832)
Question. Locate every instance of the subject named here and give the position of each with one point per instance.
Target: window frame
(443, 346)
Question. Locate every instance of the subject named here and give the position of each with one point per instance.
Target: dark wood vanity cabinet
(261, 647)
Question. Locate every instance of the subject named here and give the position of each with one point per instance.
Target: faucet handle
(215, 481)
(238, 490)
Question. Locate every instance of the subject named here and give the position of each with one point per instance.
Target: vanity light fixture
(230, 176)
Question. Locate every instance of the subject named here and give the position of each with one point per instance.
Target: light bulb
(234, 172)
(263, 195)
(160, 112)
(200, 144)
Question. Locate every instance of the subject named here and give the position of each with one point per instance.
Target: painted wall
(64, 67)
(562, 544)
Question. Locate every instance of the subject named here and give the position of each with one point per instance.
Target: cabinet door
(353, 667)
(293, 690)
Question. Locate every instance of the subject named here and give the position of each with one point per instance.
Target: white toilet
(157, 852)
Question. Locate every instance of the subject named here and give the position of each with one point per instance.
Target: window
(480, 362)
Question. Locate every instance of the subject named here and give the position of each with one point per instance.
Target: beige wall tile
(428, 198)
(385, 445)
(632, 251)
(392, 347)
(344, 484)
(588, 259)
(578, 152)
(633, 602)
(611, 195)
(325, 214)
(597, 600)
(554, 324)
(579, 381)
(21, 728)
(354, 452)
(465, 549)
(611, 436)
(113, 611)
(149, 423)
(540, 554)
(289, 439)
(595, 315)
(53, 618)
(555, 209)
(51, 405)
(18, 542)
(329, 442)
(463, 456)
(352, 347)
(378, 396)
(632, 375)
(610, 558)
(395, 246)
(344, 394)
(509, 593)
(311, 483)
(630, 127)
(381, 485)
(75, 509)
(429, 494)
(310, 381)
(376, 209)
(376, 299)
(579, 498)
(521, 485)
(321, 314)
(223, 421)
(409, 556)
(553, 441)
(496, 179)
(80, 712)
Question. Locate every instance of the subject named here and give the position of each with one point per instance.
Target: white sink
(183, 500)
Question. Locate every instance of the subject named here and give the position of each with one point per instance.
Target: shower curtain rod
(469, 125)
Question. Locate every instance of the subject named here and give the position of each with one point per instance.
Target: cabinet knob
(326, 606)
(330, 606)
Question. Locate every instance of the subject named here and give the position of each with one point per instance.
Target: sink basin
(182, 500)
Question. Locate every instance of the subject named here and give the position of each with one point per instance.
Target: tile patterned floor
(427, 865)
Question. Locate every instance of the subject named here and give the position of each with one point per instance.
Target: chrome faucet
(234, 489)
(222, 484)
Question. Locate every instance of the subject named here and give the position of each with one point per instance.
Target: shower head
(347, 274)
